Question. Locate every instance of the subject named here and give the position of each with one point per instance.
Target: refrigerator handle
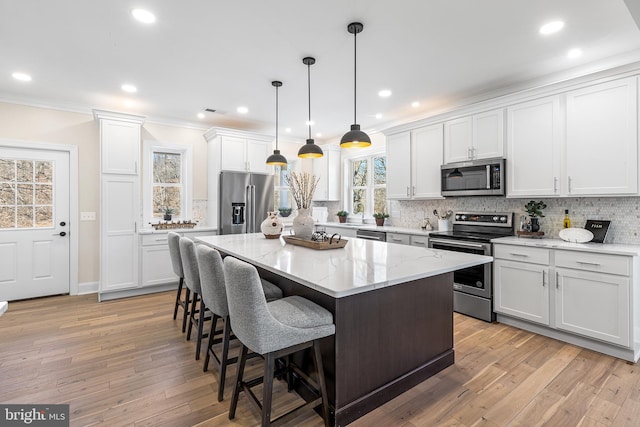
(248, 207)
(253, 208)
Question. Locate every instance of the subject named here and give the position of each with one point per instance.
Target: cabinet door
(399, 166)
(120, 147)
(233, 154)
(533, 148)
(488, 135)
(320, 168)
(422, 241)
(593, 304)
(521, 290)
(403, 239)
(602, 142)
(458, 137)
(156, 266)
(257, 153)
(426, 159)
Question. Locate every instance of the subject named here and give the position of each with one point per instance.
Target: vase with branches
(302, 186)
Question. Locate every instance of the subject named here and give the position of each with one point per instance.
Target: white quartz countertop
(178, 230)
(373, 227)
(551, 243)
(361, 266)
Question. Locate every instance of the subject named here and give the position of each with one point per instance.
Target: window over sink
(368, 184)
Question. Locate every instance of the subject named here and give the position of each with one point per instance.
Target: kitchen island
(392, 306)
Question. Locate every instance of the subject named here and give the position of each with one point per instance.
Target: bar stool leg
(238, 385)
(225, 357)
(203, 308)
(178, 295)
(267, 389)
(192, 314)
(185, 315)
(214, 322)
(317, 358)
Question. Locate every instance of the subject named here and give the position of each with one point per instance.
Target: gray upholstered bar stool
(176, 264)
(275, 329)
(214, 295)
(197, 315)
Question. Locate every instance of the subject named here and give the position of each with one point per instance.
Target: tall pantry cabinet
(119, 200)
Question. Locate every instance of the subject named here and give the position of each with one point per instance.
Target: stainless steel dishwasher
(380, 236)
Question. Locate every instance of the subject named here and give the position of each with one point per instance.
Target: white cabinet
(580, 297)
(403, 239)
(533, 148)
(244, 154)
(597, 157)
(342, 231)
(602, 140)
(119, 200)
(422, 241)
(480, 136)
(327, 168)
(413, 163)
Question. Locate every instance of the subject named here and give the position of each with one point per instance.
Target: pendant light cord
(355, 34)
(276, 117)
(309, 93)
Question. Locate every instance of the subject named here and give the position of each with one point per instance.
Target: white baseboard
(87, 288)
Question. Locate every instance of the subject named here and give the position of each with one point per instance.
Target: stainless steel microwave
(474, 178)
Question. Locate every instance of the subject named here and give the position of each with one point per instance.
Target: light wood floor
(126, 363)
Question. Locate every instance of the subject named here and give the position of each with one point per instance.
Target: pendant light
(355, 137)
(455, 174)
(276, 159)
(309, 150)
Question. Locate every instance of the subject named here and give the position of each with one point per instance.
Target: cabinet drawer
(403, 239)
(611, 264)
(422, 241)
(522, 253)
(155, 239)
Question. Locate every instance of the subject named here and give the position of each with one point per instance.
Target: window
(368, 186)
(167, 181)
(26, 193)
(283, 199)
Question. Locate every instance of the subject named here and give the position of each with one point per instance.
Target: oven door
(473, 280)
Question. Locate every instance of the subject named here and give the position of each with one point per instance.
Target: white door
(34, 223)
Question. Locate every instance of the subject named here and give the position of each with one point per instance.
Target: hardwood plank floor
(126, 363)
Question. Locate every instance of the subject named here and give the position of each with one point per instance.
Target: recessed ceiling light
(415, 104)
(129, 88)
(551, 27)
(143, 16)
(23, 77)
(309, 123)
(385, 93)
(242, 110)
(201, 115)
(378, 116)
(287, 130)
(574, 53)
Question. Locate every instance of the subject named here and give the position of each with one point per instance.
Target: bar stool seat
(274, 329)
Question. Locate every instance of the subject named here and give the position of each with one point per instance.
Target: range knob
(495, 219)
(503, 219)
(463, 217)
(457, 217)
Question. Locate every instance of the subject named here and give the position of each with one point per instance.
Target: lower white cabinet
(422, 241)
(403, 239)
(581, 297)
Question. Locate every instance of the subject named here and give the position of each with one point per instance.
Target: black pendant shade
(276, 159)
(310, 149)
(355, 137)
(455, 174)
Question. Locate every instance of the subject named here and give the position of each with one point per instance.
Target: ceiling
(224, 54)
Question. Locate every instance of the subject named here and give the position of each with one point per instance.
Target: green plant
(534, 209)
(342, 213)
(167, 210)
(284, 210)
(379, 215)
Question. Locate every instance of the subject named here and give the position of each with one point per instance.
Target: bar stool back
(192, 279)
(176, 264)
(274, 330)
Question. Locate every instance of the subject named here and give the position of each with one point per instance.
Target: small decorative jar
(272, 226)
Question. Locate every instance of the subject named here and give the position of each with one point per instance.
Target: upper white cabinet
(244, 154)
(602, 140)
(327, 168)
(119, 143)
(413, 163)
(480, 136)
(533, 148)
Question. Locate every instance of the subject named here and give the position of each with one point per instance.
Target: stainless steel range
(472, 233)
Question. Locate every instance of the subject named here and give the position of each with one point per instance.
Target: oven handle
(457, 244)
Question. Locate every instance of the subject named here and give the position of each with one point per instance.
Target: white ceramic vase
(303, 224)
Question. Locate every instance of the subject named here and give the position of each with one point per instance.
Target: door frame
(72, 150)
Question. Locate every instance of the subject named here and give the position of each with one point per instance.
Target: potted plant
(380, 216)
(342, 216)
(284, 212)
(167, 213)
(534, 210)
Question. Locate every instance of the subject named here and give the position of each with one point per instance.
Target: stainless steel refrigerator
(245, 199)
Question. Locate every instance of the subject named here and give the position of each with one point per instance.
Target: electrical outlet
(87, 216)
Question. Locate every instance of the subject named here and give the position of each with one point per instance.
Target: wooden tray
(530, 233)
(315, 245)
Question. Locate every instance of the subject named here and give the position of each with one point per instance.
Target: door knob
(62, 224)
(61, 234)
